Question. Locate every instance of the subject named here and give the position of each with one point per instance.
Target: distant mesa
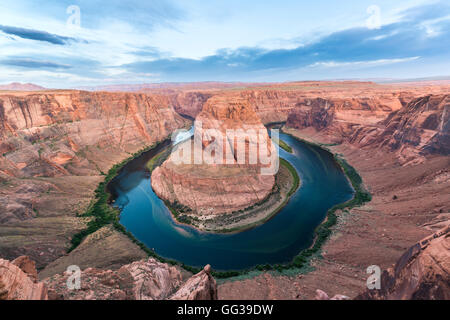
(17, 86)
(169, 86)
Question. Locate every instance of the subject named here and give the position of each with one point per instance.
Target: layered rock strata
(228, 133)
(55, 148)
(20, 284)
(140, 280)
(414, 130)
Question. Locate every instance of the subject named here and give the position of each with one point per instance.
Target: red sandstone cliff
(55, 144)
(419, 128)
(55, 147)
(18, 281)
(72, 133)
(189, 103)
(340, 117)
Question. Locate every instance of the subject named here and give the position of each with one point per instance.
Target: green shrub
(283, 145)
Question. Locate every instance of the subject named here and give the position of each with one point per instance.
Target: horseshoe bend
(57, 147)
(187, 150)
(230, 181)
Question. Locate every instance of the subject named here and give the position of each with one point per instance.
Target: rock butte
(218, 188)
(55, 144)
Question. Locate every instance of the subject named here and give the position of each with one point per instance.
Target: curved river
(323, 185)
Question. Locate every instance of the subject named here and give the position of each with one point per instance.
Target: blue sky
(195, 40)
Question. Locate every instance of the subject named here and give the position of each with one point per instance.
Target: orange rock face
(420, 127)
(189, 103)
(341, 118)
(423, 126)
(231, 182)
(53, 127)
(73, 133)
(15, 284)
(28, 266)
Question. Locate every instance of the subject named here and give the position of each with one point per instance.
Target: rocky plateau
(57, 145)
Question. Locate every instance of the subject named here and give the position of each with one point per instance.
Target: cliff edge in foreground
(140, 280)
(422, 272)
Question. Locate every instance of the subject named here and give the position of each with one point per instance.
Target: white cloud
(379, 62)
(432, 28)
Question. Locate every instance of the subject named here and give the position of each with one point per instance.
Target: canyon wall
(339, 118)
(422, 127)
(274, 102)
(73, 134)
(50, 134)
(353, 101)
(418, 128)
(55, 148)
(189, 103)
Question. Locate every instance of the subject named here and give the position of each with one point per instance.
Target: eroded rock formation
(230, 182)
(422, 273)
(51, 134)
(340, 118)
(189, 103)
(419, 128)
(202, 286)
(20, 284)
(55, 147)
(140, 280)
